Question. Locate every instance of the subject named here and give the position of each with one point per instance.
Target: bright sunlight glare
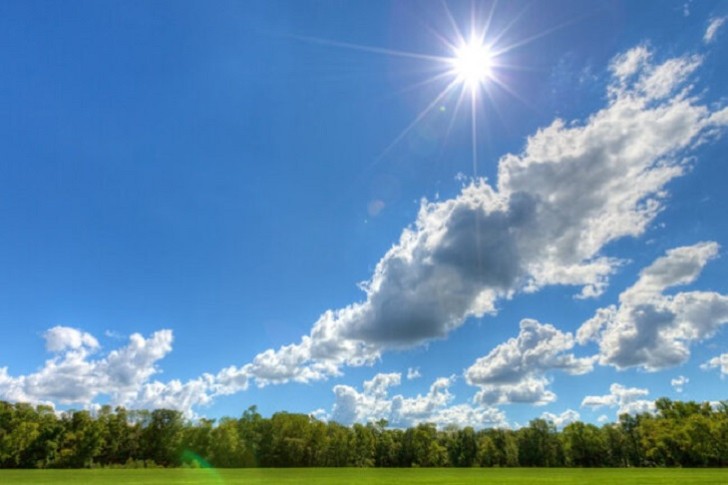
(472, 63)
(472, 68)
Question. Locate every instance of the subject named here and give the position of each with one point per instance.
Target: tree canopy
(679, 433)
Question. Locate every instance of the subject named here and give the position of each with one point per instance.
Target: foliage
(679, 434)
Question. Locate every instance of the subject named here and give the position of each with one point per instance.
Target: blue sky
(306, 206)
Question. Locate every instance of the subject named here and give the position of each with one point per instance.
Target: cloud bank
(73, 376)
(374, 403)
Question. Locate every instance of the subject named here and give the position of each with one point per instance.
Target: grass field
(313, 476)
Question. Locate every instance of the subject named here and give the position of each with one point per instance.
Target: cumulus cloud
(625, 399)
(374, 403)
(61, 338)
(128, 367)
(73, 376)
(712, 30)
(575, 187)
(11, 388)
(175, 394)
(563, 419)
(515, 371)
(678, 383)
(650, 329)
(719, 362)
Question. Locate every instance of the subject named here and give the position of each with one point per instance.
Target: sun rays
(470, 73)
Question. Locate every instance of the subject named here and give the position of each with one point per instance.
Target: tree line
(679, 433)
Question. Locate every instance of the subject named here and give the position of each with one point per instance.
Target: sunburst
(472, 69)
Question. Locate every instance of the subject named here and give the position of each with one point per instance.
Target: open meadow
(319, 476)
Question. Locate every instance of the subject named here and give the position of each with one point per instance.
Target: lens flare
(199, 470)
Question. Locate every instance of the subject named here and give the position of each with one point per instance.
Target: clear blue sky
(212, 205)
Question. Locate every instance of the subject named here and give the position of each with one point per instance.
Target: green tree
(290, 441)
(539, 446)
(163, 437)
(339, 451)
(250, 429)
(387, 446)
(464, 448)
(22, 430)
(364, 446)
(615, 441)
(584, 445)
(420, 447)
(83, 440)
(196, 441)
(225, 448)
(630, 426)
(487, 452)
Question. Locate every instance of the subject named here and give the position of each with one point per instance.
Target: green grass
(325, 476)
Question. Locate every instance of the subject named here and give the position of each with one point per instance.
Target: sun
(467, 70)
(472, 64)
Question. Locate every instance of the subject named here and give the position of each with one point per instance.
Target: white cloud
(71, 376)
(176, 394)
(712, 30)
(563, 419)
(128, 367)
(625, 399)
(650, 329)
(61, 338)
(530, 390)
(574, 188)
(719, 362)
(602, 419)
(462, 415)
(515, 371)
(413, 373)
(678, 383)
(380, 384)
(630, 63)
(11, 388)
(374, 403)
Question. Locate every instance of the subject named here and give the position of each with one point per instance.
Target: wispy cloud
(719, 362)
(711, 31)
(413, 373)
(678, 383)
